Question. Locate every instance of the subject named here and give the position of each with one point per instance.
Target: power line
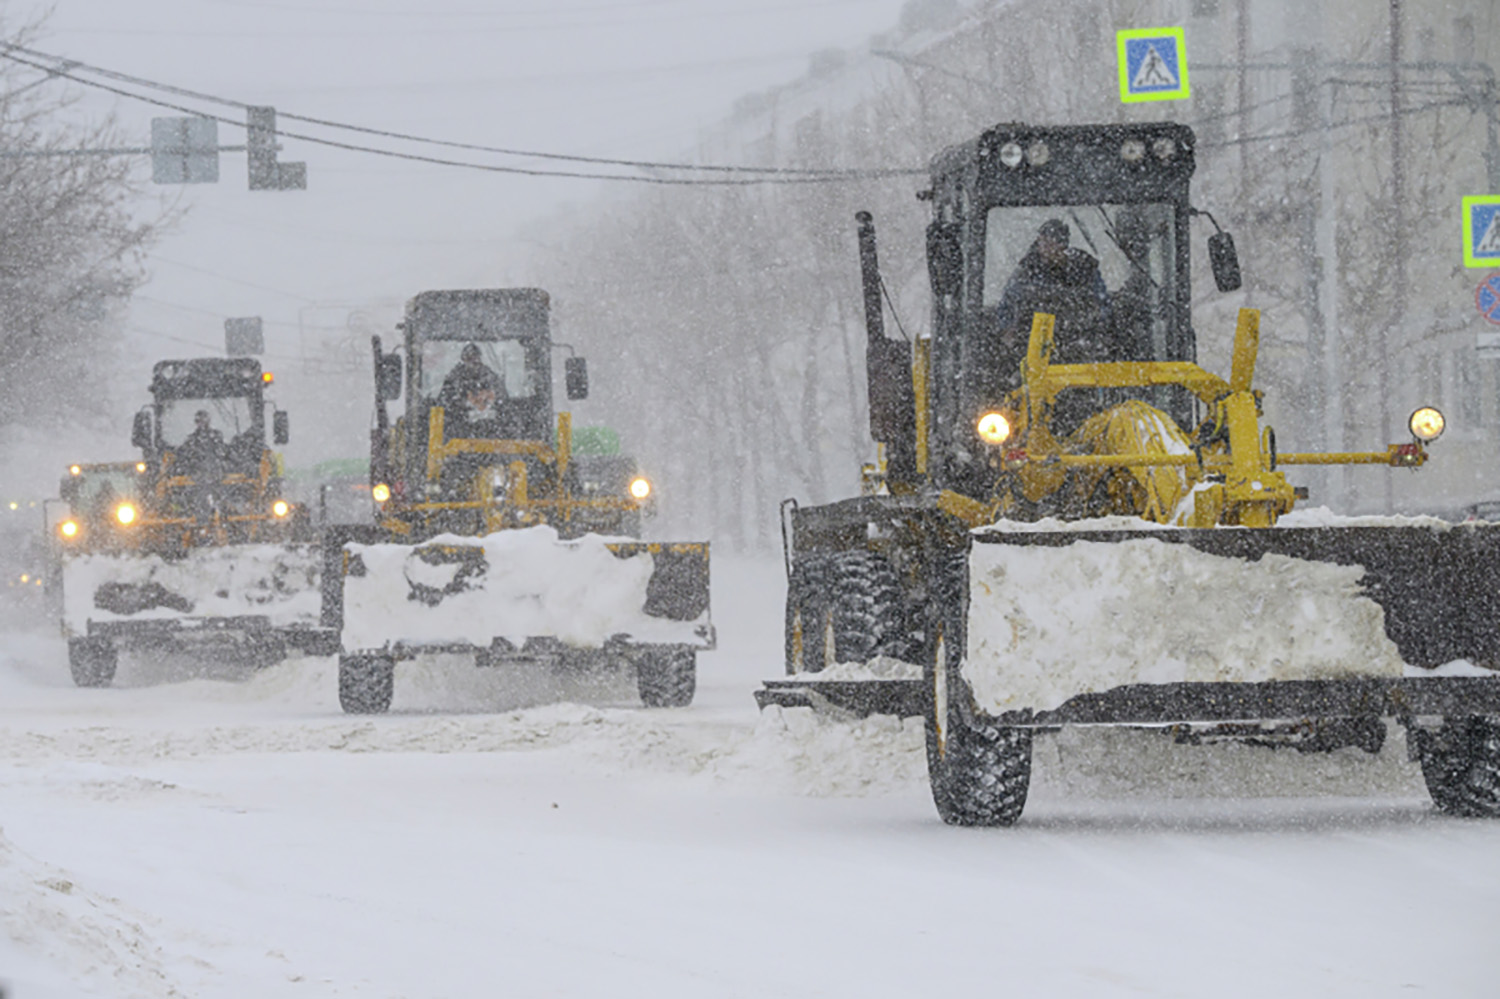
(595, 8)
(586, 23)
(157, 258)
(821, 173)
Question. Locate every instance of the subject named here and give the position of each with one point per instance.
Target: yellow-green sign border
(1469, 259)
(1183, 91)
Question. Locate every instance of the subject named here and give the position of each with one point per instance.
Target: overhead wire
(760, 175)
(473, 147)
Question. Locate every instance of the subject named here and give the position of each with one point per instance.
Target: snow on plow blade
(263, 595)
(514, 588)
(1143, 625)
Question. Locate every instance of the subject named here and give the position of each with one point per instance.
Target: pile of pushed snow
(516, 585)
(1321, 516)
(878, 668)
(51, 922)
(802, 751)
(1046, 624)
(1053, 525)
(275, 581)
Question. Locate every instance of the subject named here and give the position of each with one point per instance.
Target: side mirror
(944, 259)
(576, 375)
(280, 427)
(1226, 263)
(140, 433)
(388, 376)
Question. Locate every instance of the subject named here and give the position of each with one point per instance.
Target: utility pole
(1325, 241)
(1242, 86)
(1397, 245)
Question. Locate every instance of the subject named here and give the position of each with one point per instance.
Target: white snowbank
(1318, 516)
(48, 920)
(278, 582)
(1052, 525)
(1321, 516)
(879, 668)
(1458, 667)
(529, 584)
(1047, 624)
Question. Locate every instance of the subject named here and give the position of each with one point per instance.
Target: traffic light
(260, 146)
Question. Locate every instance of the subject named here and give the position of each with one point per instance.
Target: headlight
(1426, 424)
(281, 508)
(1132, 150)
(125, 513)
(1010, 154)
(1037, 154)
(140, 466)
(993, 428)
(1164, 149)
(381, 492)
(640, 488)
(68, 528)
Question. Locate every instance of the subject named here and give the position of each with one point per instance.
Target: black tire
(807, 636)
(847, 607)
(979, 771)
(1461, 765)
(366, 684)
(92, 661)
(667, 677)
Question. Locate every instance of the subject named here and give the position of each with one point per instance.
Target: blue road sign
(1482, 231)
(1153, 64)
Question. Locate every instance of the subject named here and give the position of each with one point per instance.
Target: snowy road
(181, 836)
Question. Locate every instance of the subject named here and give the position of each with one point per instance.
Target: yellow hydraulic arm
(1231, 471)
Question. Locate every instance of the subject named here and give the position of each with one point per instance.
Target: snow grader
(192, 548)
(493, 538)
(1073, 523)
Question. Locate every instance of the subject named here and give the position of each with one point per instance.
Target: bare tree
(71, 250)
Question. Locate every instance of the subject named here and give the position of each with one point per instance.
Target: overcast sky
(625, 78)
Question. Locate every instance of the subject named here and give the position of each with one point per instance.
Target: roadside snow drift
(513, 585)
(275, 581)
(1048, 623)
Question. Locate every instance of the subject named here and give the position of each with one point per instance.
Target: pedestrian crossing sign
(1482, 230)
(1153, 64)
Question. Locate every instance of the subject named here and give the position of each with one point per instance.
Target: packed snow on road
(237, 835)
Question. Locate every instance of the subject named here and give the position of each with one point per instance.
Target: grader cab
(1075, 523)
(492, 538)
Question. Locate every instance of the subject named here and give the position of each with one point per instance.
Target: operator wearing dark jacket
(469, 394)
(471, 388)
(202, 452)
(1063, 282)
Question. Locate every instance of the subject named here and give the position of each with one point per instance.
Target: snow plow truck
(493, 539)
(1073, 523)
(192, 548)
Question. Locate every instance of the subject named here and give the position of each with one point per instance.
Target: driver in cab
(470, 391)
